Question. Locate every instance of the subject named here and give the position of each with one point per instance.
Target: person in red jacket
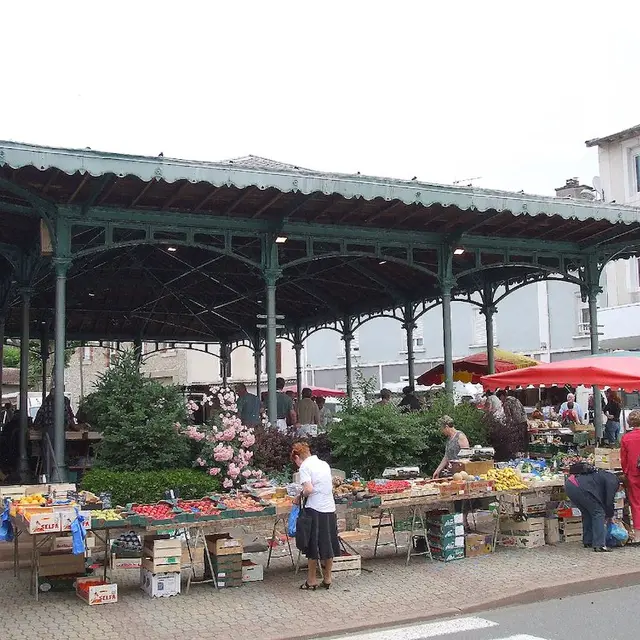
(630, 460)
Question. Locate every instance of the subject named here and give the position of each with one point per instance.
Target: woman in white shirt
(317, 488)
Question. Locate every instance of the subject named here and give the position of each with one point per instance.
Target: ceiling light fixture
(382, 262)
(91, 294)
(172, 249)
(281, 239)
(458, 251)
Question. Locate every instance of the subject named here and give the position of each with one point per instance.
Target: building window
(636, 171)
(584, 322)
(355, 345)
(479, 330)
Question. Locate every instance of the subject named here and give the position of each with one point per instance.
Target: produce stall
(172, 536)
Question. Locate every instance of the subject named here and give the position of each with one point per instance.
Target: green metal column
(61, 267)
(347, 336)
(257, 358)
(593, 289)
(137, 349)
(297, 347)
(23, 463)
(44, 357)
(489, 310)
(409, 326)
(225, 356)
(447, 282)
(1, 349)
(271, 279)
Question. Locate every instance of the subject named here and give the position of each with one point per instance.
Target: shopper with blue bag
(593, 492)
(316, 523)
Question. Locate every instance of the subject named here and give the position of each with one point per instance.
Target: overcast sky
(438, 89)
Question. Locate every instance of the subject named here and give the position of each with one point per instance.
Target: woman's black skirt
(324, 543)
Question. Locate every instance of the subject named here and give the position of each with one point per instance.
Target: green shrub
(370, 438)
(149, 486)
(137, 417)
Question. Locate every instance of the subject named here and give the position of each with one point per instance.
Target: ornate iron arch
(347, 253)
(164, 242)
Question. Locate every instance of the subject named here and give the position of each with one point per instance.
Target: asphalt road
(605, 615)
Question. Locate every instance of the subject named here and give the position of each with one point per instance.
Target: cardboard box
(446, 532)
(444, 519)
(162, 565)
(252, 572)
(197, 557)
(551, 531)
(477, 468)
(222, 544)
(516, 527)
(530, 541)
(446, 544)
(447, 556)
(160, 585)
(477, 544)
(104, 593)
(67, 518)
(62, 563)
(40, 523)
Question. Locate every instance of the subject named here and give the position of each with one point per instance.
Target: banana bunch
(505, 479)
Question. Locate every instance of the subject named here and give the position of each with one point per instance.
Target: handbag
(304, 526)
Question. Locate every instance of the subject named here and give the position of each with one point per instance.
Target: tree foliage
(370, 438)
(137, 417)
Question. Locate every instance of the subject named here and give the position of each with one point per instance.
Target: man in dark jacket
(593, 492)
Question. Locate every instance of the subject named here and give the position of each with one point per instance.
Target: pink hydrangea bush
(226, 442)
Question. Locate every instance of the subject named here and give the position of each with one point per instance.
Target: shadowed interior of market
(102, 247)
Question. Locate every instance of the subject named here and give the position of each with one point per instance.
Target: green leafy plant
(140, 420)
(370, 438)
(149, 486)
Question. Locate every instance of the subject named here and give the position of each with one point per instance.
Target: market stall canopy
(472, 368)
(619, 371)
(319, 392)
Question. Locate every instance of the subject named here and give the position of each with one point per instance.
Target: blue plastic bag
(78, 534)
(617, 535)
(293, 519)
(6, 528)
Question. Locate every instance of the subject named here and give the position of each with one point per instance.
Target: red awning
(603, 371)
(469, 369)
(318, 392)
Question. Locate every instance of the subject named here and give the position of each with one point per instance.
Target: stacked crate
(160, 573)
(446, 536)
(226, 560)
(608, 459)
(522, 533)
(571, 529)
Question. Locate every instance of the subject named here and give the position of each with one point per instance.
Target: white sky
(441, 89)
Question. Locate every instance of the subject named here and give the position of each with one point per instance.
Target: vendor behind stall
(456, 440)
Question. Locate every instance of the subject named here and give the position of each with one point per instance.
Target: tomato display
(160, 511)
(389, 486)
(206, 506)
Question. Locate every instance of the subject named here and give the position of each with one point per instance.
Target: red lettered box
(94, 591)
(43, 523)
(68, 517)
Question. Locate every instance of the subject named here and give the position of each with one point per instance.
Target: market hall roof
(354, 244)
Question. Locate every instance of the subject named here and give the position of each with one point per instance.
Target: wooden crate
(530, 525)
(162, 565)
(349, 565)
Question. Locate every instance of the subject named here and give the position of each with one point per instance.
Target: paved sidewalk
(276, 608)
